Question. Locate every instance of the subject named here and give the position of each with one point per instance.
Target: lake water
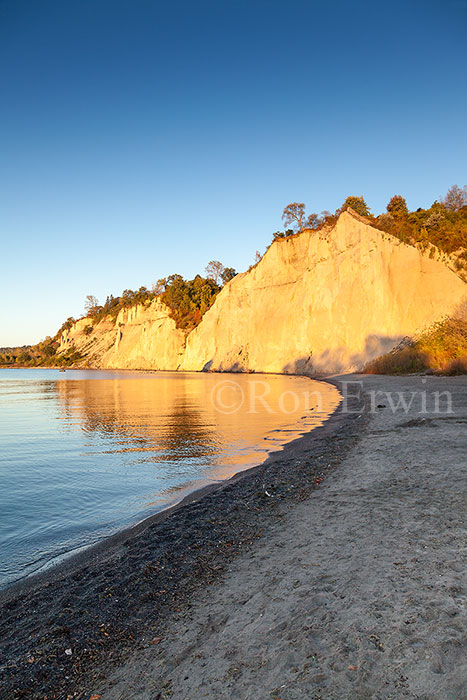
(85, 453)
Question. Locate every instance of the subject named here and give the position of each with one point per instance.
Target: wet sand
(332, 571)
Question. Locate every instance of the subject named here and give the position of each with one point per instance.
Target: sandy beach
(334, 570)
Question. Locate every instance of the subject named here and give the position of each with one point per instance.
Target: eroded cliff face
(142, 337)
(323, 302)
(319, 302)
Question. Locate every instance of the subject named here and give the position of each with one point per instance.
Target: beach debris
(352, 667)
(68, 652)
(95, 697)
(377, 642)
(156, 640)
(268, 494)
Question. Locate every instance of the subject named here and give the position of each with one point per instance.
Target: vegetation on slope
(442, 226)
(43, 354)
(188, 300)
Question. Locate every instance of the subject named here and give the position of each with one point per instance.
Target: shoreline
(357, 591)
(185, 493)
(115, 576)
(69, 562)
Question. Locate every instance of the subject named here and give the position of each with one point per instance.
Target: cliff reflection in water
(140, 415)
(175, 418)
(86, 453)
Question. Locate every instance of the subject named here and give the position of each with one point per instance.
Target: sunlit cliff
(322, 301)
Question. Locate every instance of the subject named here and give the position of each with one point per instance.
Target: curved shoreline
(132, 581)
(193, 491)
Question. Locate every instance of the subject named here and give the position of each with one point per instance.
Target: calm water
(85, 453)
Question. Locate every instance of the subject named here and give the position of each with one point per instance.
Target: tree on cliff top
(455, 198)
(91, 305)
(397, 206)
(358, 204)
(294, 215)
(188, 300)
(216, 272)
(228, 274)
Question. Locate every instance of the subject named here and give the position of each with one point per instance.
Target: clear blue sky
(140, 138)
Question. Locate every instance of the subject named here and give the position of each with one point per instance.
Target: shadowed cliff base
(339, 360)
(336, 360)
(441, 349)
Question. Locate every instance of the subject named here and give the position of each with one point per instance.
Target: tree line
(43, 354)
(188, 300)
(443, 225)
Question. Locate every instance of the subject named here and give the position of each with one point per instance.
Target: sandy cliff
(321, 302)
(142, 337)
